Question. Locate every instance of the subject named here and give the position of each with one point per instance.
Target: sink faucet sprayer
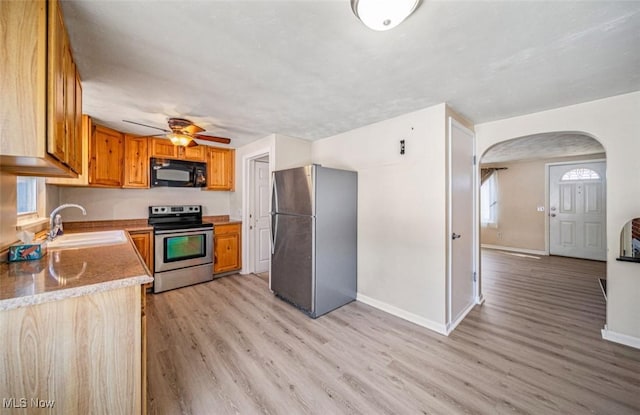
(55, 220)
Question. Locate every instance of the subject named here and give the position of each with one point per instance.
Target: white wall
(110, 204)
(291, 152)
(615, 122)
(401, 211)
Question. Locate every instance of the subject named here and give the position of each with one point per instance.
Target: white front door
(261, 217)
(461, 222)
(577, 210)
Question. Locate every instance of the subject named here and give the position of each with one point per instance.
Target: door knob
(553, 215)
(455, 236)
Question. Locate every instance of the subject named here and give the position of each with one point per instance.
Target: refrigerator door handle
(274, 194)
(274, 230)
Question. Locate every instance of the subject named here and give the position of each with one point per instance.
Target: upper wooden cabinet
(85, 132)
(38, 109)
(197, 153)
(136, 162)
(163, 148)
(106, 157)
(221, 168)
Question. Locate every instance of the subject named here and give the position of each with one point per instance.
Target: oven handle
(189, 231)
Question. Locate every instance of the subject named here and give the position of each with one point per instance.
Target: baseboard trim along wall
(519, 250)
(452, 326)
(625, 339)
(403, 314)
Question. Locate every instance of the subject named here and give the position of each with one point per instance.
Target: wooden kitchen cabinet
(38, 132)
(227, 247)
(221, 168)
(197, 153)
(85, 131)
(106, 157)
(143, 240)
(164, 148)
(136, 162)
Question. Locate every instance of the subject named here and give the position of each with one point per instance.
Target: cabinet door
(23, 73)
(107, 151)
(56, 142)
(220, 168)
(163, 148)
(80, 150)
(136, 161)
(142, 241)
(73, 155)
(227, 255)
(197, 153)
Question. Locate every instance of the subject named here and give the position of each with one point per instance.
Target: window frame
(491, 202)
(34, 219)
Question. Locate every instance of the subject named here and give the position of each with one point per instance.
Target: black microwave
(177, 173)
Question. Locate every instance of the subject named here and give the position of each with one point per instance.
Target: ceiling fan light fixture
(383, 14)
(178, 139)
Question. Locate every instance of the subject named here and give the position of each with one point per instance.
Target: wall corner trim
(625, 339)
(403, 314)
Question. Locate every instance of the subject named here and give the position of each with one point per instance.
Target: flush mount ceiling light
(179, 139)
(383, 14)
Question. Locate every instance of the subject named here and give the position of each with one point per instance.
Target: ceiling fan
(182, 132)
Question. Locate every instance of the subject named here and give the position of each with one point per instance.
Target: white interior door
(577, 210)
(261, 217)
(461, 222)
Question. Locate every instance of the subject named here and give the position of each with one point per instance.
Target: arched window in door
(580, 174)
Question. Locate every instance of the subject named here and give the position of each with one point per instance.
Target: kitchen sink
(87, 239)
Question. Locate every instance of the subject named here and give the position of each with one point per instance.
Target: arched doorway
(519, 224)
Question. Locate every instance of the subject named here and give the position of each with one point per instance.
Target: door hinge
(474, 276)
(474, 160)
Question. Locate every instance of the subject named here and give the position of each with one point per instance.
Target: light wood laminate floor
(230, 347)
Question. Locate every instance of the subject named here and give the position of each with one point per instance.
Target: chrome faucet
(55, 220)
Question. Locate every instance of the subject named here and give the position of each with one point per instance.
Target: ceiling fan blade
(184, 126)
(192, 143)
(192, 129)
(145, 125)
(222, 140)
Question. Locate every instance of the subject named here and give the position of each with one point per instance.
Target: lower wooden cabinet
(227, 247)
(143, 240)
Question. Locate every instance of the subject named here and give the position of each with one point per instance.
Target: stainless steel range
(183, 246)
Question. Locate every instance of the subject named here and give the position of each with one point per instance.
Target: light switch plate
(540, 208)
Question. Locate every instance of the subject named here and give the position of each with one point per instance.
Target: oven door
(176, 249)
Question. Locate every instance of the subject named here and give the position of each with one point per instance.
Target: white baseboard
(520, 250)
(625, 339)
(403, 314)
(452, 326)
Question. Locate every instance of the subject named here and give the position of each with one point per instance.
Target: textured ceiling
(542, 146)
(310, 69)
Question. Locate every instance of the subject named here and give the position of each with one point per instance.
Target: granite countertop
(67, 273)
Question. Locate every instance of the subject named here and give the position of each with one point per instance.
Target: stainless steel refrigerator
(314, 237)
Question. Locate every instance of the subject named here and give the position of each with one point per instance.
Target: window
(489, 201)
(27, 195)
(580, 174)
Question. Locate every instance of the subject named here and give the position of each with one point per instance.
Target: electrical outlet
(540, 209)
(499, 235)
